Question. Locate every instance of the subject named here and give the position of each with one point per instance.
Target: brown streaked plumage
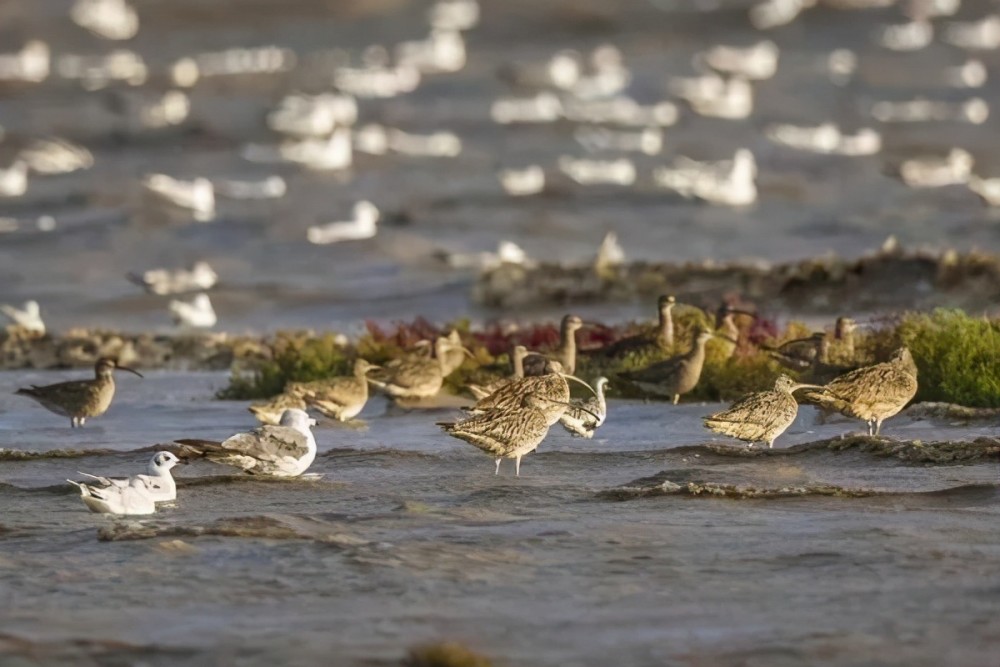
(659, 340)
(676, 375)
(549, 392)
(415, 376)
(270, 411)
(565, 354)
(726, 331)
(340, 398)
(503, 433)
(452, 354)
(761, 416)
(80, 399)
(517, 356)
(799, 354)
(872, 393)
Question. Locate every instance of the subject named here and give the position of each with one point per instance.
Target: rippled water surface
(408, 537)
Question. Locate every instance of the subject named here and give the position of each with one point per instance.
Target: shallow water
(409, 537)
(272, 278)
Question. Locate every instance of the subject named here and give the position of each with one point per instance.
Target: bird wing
(657, 372)
(501, 431)
(268, 443)
(121, 482)
(342, 391)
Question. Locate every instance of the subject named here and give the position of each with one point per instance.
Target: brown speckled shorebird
(517, 356)
(80, 399)
(676, 375)
(507, 432)
(658, 341)
(726, 331)
(872, 393)
(415, 376)
(799, 354)
(583, 417)
(270, 411)
(340, 398)
(453, 354)
(551, 387)
(761, 416)
(565, 354)
(843, 333)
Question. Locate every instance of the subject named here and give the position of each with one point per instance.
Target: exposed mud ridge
(17, 650)
(270, 527)
(22, 455)
(891, 279)
(911, 451)
(661, 486)
(937, 410)
(20, 348)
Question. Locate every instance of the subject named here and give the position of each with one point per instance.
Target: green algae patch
(957, 355)
(444, 654)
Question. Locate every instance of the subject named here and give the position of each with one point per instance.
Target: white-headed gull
(158, 480)
(197, 313)
(363, 226)
(286, 450)
(199, 277)
(28, 316)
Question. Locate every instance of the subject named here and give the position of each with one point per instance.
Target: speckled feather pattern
(504, 432)
(758, 417)
(872, 392)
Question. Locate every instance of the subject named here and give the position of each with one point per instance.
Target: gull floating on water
(825, 138)
(507, 252)
(756, 62)
(981, 35)
(931, 8)
(970, 74)
(598, 172)
(363, 226)
(286, 450)
(196, 196)
(522, 182)
(610, 253)
(608, 75)
(28, 316)
(141, 110)
(313, 115)
(454, 15)
(110, 19)
(442, 51)
(31, 64)
(841, 65)
(200, 276)
(597, 139)
(189, 70)
(100, 71)
(987, 188)
(727, 182)
(974, 110)
(270, 187)
(436, 144)
(715, 96)
(129, 500)
(197, 313)
(14, 179)
(620, 110)
(775, 13)
(561, 71)
(321, 153)
(158, 481)
(377, 79)
(911, 36)
(56, 156)
(952, 169)
(544, 107)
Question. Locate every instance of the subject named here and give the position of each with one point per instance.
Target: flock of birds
(511, 416)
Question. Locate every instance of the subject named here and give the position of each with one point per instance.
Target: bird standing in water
(80, 399)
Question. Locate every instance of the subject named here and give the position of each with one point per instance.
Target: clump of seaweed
(958, 355)
(444, 654)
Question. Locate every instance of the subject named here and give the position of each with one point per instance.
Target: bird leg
(677, 397)
(871, 427)
(878, 426)
(770, 444)
(517, 467)
(498, 467)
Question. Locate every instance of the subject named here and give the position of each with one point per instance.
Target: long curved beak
(130, 370)
(796, 387)
(576, 379)
(570, 405)
(467, 351)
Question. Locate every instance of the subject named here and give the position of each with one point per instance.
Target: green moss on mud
(958, 356)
